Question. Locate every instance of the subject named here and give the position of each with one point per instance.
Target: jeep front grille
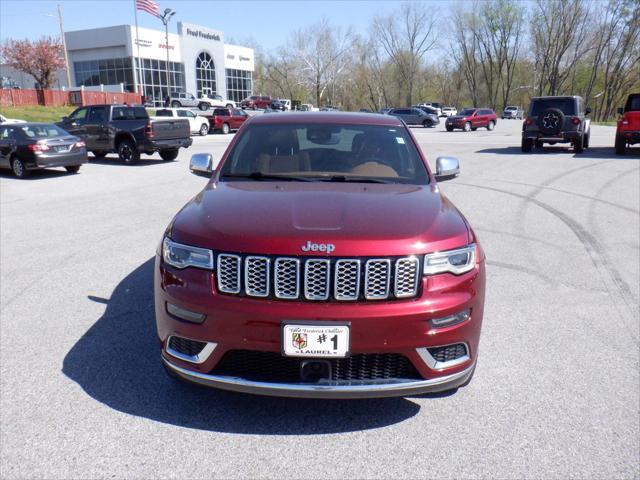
(318, 279)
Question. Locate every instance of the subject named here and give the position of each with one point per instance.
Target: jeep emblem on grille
(318, 247)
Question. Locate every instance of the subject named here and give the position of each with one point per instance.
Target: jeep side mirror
(447, 168)
(620, 111)
(201, 163)
(65, 119)
(587, 111)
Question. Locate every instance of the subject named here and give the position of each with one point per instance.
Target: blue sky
(267, 22)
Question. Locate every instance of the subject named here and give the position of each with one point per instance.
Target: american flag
(148, 6)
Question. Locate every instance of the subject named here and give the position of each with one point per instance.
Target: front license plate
(315, 340)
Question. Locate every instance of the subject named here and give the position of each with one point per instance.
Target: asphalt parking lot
(556, 393)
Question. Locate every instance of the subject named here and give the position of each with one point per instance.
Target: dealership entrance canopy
(199, 61)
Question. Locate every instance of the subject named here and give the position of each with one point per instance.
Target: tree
(40, 58)
(559, 30)
(406, 37)
(320, 53)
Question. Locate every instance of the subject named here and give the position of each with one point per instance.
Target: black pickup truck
(128, 131)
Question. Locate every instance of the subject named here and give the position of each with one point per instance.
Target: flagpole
(138, 70)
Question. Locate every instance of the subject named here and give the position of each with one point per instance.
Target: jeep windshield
(566, 105)
(325, 153)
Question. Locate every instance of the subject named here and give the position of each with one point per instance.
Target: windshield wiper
(267, 176)
(350, 179)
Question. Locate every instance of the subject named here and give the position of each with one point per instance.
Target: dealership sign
(205, 35)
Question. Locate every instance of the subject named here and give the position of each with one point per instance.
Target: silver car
(415, 116)
(513, 112)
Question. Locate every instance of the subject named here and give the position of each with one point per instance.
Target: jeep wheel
(228, 105)
(72, 168)
(127, 152)
(99, 153)
(527, 145)
(18, 168)
(449, 129)
(491, 125)
(225, 128)
(168, 155)
(427, 123)
(587, 137)
(203, 106)
(204, 129)
(621, 145)
(467, 127)
(175, 104)
(578, 145)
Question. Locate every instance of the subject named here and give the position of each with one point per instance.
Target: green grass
(610, 123)
(37, 113)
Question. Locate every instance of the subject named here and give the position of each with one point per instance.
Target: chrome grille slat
(377, 279)
(406, 277)
(228, 273)
(287, 278)
(256, 276)
(316, 279)
(346, 283)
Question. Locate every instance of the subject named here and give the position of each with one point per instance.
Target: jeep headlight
(182, 256)
(460, 260)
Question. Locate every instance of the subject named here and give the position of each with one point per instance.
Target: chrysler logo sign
(205, 35)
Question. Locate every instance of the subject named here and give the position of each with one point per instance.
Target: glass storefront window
(238, 84)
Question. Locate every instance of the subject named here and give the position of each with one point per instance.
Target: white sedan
(4, 119)
(198, 124)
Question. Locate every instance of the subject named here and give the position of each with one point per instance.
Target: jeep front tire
(527, 145)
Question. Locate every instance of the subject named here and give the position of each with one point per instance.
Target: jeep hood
(359, 219)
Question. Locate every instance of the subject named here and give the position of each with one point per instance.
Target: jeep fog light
(184, 314)
(454, 319)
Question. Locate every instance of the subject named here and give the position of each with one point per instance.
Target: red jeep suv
(628, 131)
(321, 260)
(472, 119)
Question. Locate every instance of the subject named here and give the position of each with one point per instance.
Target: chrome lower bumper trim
(356, 389)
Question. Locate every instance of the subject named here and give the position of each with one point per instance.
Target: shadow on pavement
(44, 174)
(117, 362)
(113, 160)
(591, 152)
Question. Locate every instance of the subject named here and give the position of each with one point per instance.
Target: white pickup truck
(197, 123)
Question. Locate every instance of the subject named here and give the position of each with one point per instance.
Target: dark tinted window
(467, 112)
(633, 104)
(164, 113)
(566, 105)
(97, 114)
(322, 151)
(221, 111)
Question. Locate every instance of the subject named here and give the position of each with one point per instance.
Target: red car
(472, 119)
(628, 131)
(226, 119)
(321, 260)
(256, 101)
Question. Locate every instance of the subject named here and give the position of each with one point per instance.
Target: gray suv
(556, 120)
(415, 116)
(182, 99)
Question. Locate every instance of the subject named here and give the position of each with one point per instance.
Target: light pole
(165, 17)
(64, 44)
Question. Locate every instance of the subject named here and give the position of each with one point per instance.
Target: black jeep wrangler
(556, 120)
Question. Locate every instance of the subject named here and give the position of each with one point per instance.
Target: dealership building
(199, 61)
